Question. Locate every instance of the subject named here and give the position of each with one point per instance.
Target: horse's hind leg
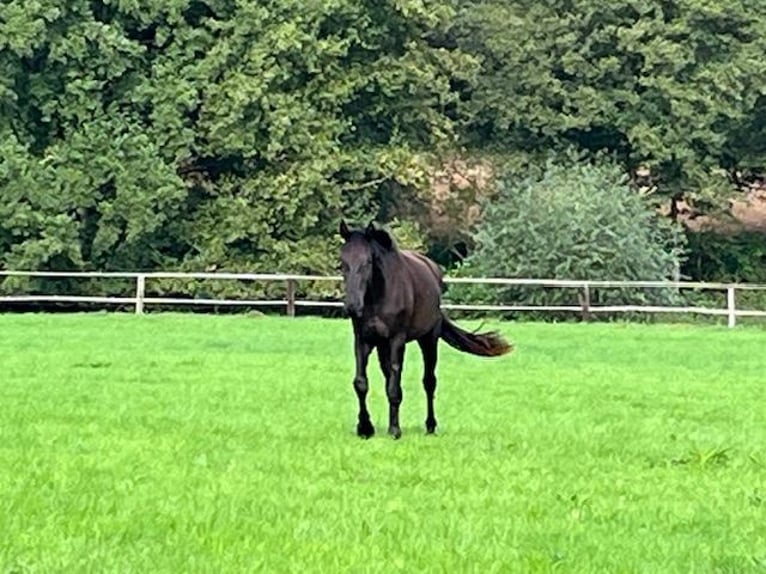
(429, 345)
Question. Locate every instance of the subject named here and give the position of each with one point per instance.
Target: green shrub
(727, 258)
(572, 221)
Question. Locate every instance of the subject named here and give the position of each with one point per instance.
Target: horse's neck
(389, 269)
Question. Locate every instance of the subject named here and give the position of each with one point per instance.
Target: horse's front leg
(391, 357)
(362, 351)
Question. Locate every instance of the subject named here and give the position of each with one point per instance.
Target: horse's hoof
(395, 432)
(430, 427)
(365, 430)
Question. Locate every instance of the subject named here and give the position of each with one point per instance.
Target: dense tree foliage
(677, 88)
(209, 134)
(231, 134)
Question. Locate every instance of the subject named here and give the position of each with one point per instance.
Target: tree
(672, 90)
(212, 134)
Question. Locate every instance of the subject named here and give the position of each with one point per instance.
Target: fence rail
(139, 300)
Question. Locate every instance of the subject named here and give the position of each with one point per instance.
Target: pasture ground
(182, 443)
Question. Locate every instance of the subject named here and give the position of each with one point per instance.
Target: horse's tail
(489, 344)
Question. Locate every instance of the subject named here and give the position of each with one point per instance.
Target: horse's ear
(343, 229)
(381, 236)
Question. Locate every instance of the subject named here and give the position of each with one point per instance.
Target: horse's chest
(375, 328)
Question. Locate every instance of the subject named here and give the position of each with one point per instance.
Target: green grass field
(181, 443)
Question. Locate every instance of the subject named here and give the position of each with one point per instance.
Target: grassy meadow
(186, 443)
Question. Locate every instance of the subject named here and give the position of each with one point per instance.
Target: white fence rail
(139, 300)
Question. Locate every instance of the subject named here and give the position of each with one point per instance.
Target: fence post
(140, 292)
(731, 306)
(585, 302)
(290, 298)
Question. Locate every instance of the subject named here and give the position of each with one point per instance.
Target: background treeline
(232, 134)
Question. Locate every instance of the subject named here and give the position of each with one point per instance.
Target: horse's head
(358, 258)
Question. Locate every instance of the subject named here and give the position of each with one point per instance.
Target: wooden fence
(139, 300)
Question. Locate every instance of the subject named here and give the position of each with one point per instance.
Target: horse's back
(420, 263)
(426, 288)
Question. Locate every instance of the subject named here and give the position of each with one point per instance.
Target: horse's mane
(384, 248)
(382, 242)
(385, 252)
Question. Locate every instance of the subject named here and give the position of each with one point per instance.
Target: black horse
(393, 297)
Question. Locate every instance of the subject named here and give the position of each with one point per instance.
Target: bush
(720, 257)
(572, 221)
